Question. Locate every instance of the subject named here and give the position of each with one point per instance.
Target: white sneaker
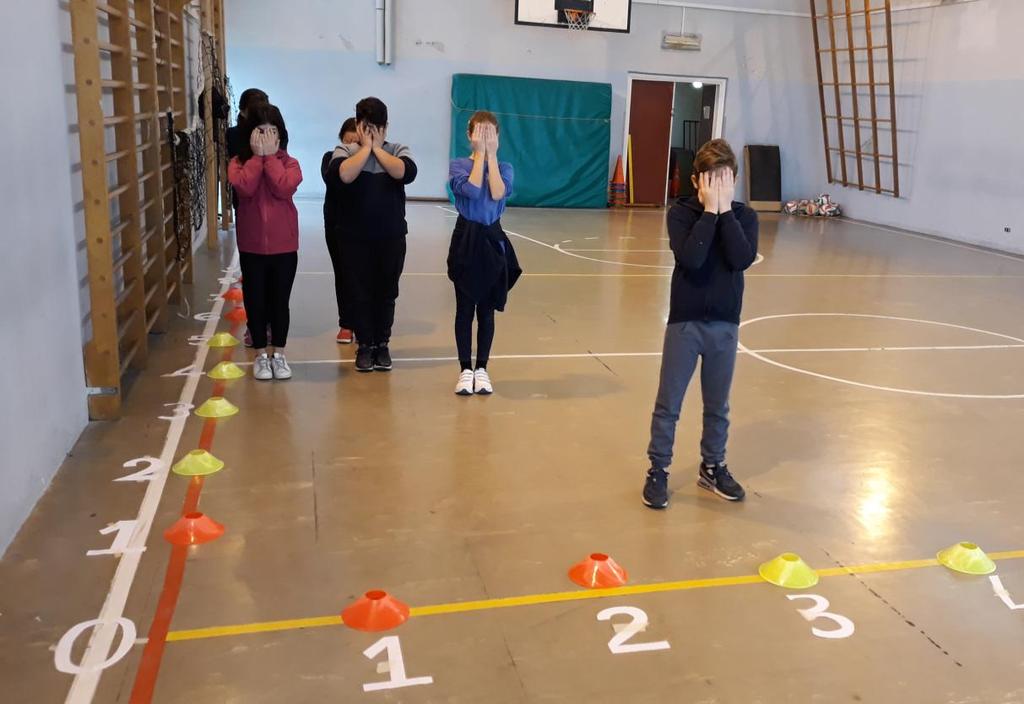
(280, 364)
(261, 368)
(482, 382)
(465, 385)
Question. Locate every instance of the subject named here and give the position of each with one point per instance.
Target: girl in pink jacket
(267, 227)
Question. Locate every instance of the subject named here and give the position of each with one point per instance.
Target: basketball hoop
(578, 20)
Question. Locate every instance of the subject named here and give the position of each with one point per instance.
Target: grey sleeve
(399, 151)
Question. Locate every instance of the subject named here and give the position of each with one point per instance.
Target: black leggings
(465, 308)
(267, 287)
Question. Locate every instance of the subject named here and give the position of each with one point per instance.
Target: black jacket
(331, 199)
(482, 262)
(711, 252)
(372, 206)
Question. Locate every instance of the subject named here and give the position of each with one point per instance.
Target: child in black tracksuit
(370, 179)
(347, 135)
(714, 240)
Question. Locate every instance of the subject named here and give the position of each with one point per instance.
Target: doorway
(668, 118)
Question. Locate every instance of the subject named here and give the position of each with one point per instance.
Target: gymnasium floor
(893, 431)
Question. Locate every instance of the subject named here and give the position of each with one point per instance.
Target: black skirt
(482, 262)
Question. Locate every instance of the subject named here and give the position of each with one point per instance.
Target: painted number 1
(124, 530)
(623, 632)
(394, 665)
(819, 610)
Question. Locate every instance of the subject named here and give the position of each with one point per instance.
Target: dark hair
(249, 98)
(347, 126)
(714, 155)
(373, 111)
(483, 116)
(262, 113)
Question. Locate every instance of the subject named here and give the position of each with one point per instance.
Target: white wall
(43, 383)
(960, 110)
(317, 59)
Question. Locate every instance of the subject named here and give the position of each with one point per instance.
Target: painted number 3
(820, 610)
(624, 631)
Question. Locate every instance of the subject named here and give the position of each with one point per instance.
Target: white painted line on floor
(83, 688)
(608, 275)
(875, 387)
(588, 355)
(628, 251)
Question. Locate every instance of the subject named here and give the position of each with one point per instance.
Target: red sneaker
(345, 337)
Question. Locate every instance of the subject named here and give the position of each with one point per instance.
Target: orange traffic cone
(617, 187)
(677, 183)
(598, 572)
(232, 294)
(237, 315)
(193, 529)
(375, 611)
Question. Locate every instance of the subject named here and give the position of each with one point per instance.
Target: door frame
(717, 127)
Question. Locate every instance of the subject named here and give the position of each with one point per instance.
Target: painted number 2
(820, 610)
(623, 632)
(394, 665)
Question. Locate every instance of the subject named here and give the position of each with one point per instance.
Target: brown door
(650, 127)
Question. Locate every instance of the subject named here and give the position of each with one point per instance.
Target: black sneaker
(382, 359)
(656, 488)
(364, 359)
(716, 478)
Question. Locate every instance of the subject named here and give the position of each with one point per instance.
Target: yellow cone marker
(217, 407)
(967, 558)
(226, 371)
(789, 571)
(197, 463)
(223, 339)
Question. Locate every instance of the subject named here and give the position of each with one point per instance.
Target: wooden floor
(877, 418)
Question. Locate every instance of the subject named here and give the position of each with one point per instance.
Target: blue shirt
(475, 202)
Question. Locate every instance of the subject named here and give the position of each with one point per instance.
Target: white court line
(588, 355)
(875, 387)
(628, 251)
(83, 688)
(747, 275)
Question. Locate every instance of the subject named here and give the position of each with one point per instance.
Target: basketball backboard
(609, 15)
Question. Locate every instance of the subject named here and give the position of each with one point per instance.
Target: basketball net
(578, 19)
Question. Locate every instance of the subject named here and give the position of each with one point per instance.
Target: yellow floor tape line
(555, 597)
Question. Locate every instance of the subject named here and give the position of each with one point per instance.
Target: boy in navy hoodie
(714, 240)
(369, 178)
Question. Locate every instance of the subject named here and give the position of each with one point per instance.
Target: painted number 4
(624, 631)
(394, 665)
(820, 610)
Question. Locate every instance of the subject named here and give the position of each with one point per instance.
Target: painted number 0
(62, 656)
(395, 666)
(819, 610)
(618, 644)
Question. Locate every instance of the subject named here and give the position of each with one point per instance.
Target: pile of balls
(822, 206)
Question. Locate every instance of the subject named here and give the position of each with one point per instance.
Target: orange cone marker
(193, 529)
(232, 294)
(375, 611)
(237, 315)
(598, 572)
